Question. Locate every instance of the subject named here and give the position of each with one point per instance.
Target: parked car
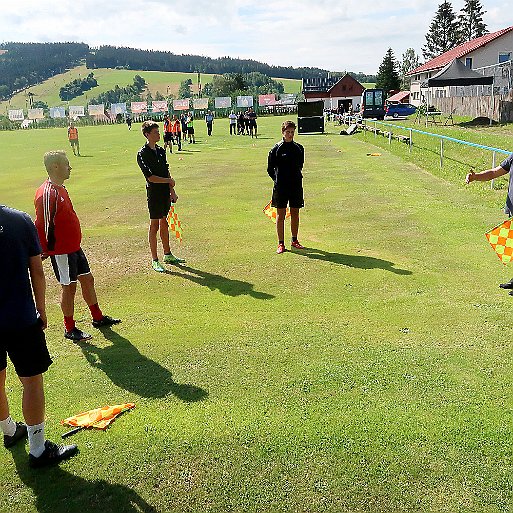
(400, 109)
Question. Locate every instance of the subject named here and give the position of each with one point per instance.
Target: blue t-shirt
(18, 242)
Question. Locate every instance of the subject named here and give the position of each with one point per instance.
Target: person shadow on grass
(226, 286)
(127, 368)
(56, 490)
(355, 261)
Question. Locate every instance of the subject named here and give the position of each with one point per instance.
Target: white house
(488, 50)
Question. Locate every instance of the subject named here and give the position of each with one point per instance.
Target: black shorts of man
(490, 174)
(160, 193)
(284, 166)
(22, 321)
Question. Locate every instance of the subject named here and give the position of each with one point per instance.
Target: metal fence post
(375, 128)
(493, 165)
(411, 142)
(390, 137)
(441, 153)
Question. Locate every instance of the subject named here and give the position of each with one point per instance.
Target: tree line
(151, 60)
(446, 31)
(77, 87)
(26, 64)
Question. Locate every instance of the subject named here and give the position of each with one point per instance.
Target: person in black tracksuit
(160, 193)
(284, 166)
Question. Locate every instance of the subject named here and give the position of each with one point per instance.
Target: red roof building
(336, 93)
(488, 50)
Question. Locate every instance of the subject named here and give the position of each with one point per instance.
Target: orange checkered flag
(175, 226)
(98, 418)
(270, 212)
(501, 240)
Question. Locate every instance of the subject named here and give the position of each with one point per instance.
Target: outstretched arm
(485, 176)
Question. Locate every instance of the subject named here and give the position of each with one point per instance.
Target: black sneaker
(52, 454)
(508, 285)
(105, 321)
(19, 434)
(77, 335)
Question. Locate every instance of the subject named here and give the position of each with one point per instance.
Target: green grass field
(370, 373)
(166, 83)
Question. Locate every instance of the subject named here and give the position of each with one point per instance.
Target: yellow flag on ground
(98, 418)
(501, 240)
(270, 212)
(175, 226)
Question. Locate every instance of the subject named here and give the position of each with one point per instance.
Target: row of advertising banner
(223, 102)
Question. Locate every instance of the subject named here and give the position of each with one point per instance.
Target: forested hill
(25, 64)
(150, 60)
(146, 60)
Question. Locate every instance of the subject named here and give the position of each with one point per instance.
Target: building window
(504, 57)
(468, 62)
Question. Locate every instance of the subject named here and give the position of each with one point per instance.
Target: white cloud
(333, 34)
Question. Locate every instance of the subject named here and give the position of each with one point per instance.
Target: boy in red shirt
(59, 232)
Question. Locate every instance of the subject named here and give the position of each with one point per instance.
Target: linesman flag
(501, 240)
(271, 213)
(98, 418)
(174, 223)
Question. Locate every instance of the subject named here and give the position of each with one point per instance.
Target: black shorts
(252, 123)
(190, 130)
(68, 268)
(27, 350)
(159, 202)
(288, 196)
(168, 137)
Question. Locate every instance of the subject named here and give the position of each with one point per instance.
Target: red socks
(69, 323)
(96, 312)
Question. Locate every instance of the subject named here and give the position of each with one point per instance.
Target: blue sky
(339, 35)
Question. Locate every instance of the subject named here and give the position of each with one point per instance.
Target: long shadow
(356, 261)
(56, 490)
(127, 368)
(224, 285)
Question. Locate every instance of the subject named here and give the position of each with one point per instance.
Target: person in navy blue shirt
(490, 174)
(22, 321)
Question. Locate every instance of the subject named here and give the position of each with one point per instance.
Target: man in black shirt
(160, 193)
(284, 166)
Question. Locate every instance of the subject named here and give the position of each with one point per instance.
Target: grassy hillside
(164, 82)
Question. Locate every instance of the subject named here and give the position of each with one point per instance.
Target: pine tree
(470, 21)
(388, 76)
(443, 32)
(410, 61)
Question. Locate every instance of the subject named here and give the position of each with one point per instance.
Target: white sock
(36, 436)
(8, 426)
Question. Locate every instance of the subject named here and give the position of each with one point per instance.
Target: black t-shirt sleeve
(142, 160)
(506, 164)
(271, 163)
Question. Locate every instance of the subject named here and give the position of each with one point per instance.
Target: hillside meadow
(166, 83)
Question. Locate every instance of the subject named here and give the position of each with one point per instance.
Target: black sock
(294, 239)
(281, 242)
(155, 259)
